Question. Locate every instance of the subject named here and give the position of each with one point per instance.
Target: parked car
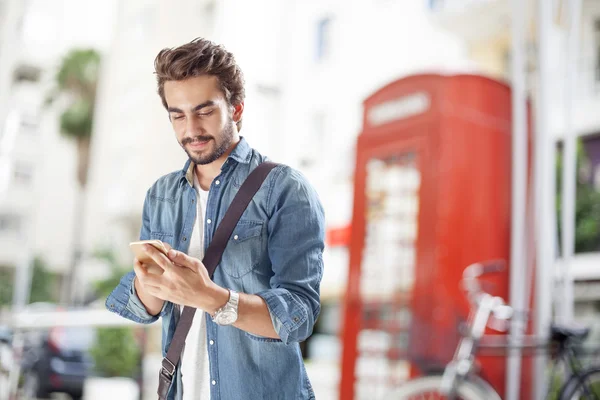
(56, 361)
(6, 360)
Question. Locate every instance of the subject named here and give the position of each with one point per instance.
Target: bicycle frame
(575, 369)
(460, 368)
(485, 306)
(462, 363)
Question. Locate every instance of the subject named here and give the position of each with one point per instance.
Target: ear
(238, 111)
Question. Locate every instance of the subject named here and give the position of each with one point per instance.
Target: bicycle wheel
(585, 386)
(428, 388)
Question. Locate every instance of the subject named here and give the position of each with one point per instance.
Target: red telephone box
(431, 196)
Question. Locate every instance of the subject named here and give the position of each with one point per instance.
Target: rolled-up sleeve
(123, 300)
(296, 242)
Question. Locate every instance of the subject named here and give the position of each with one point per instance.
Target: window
(323, 38)
(209, 15)
(29, 124)
(27, 73)
(434, 4)
(10, 223)
(138, 24)
(23, 173)
(315, 141)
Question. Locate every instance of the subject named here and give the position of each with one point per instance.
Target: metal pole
(518, 261)
(544, 195)
(72, 281)
(9, 50)
(22, 289)
(23, 275)
(569, 163)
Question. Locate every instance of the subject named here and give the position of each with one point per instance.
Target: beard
(214, 150)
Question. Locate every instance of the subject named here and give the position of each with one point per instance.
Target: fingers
(157, 256)
(146, 278)
(179, 258)
(138, 268)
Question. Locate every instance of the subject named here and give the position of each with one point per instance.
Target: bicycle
(461, 381)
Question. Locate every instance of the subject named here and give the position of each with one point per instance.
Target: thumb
(182, 259)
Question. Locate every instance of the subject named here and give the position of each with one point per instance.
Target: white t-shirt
(194, 361)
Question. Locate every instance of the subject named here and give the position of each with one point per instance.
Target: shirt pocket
(163, 237)
(244, 248)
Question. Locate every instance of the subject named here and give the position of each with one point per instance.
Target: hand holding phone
(145, 259)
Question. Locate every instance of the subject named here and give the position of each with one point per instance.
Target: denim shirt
(274, 252)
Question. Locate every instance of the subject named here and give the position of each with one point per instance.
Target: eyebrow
(197, 108)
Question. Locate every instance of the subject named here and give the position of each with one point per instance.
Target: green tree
(587, 205)
(116, 351)
(6, 286)
(76, 80)
(43, 283)
(105, 286)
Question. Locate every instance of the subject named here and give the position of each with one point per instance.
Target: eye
(206, 114)
(178, 117)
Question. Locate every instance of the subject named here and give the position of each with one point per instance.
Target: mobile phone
(137, 249)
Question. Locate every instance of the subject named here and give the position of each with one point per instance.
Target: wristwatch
(228, 314)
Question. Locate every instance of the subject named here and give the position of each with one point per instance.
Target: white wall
(485, 27)
(50, 29)
(586, 118)
(372, 44)
(40, 39)
(134, 143)
(289, 95)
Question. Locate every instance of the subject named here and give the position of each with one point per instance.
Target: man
(271, 267)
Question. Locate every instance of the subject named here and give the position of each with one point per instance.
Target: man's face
(201, 117)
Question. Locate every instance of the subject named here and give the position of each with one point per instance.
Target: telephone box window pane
(387, 273)
(391, 226)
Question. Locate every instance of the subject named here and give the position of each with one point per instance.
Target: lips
(198, 144)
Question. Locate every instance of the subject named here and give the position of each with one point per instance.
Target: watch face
(226, 317)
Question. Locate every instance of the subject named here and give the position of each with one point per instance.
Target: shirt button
(235, 237)
(217, 182)
(212, 342)
(193, 201)
(208, 221)
(184, 238)
(214, 383)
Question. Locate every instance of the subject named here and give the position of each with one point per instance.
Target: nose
(193, 127)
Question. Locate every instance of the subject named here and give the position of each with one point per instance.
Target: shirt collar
(241, 153)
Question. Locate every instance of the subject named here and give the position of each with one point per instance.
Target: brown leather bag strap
(211, 259)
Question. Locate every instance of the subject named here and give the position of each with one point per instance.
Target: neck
(206, 173)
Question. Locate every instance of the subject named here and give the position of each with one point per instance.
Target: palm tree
(76, 80)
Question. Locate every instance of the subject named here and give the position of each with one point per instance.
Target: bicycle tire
(576, 383)
(430, 385)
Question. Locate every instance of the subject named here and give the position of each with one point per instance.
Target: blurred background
(438, 133)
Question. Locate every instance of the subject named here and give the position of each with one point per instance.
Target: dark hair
(201, 57)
